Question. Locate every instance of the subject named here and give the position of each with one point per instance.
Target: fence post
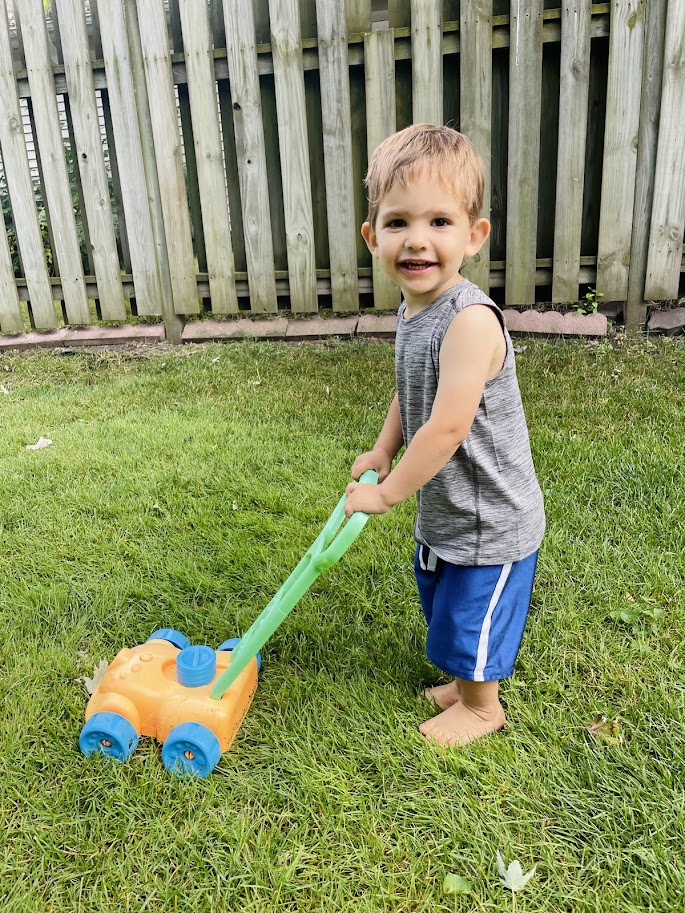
(475, 105)
(172, 323)
(525, 86)
(668, 210)
(648, 134)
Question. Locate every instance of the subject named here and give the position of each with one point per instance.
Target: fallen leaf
(92, 683)
(40, 444)
(513, 877)
(455, 884)
(4, 390)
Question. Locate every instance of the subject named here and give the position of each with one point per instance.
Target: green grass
(181, 489)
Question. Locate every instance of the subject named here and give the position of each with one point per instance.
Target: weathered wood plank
(648, 135)
(164, 120)
(89, 154)
(426, 43)
(335, 107)
(626, 40)
(294, 151)
(18, 176)
(573, 104)
(475, 32)
(399, 13)
(358, 16)
(249, 138)
(129, 158)
(11, 320)
(379, 70)
(189, 158)
(197, 42)
(668, 211)
(51, 146)
(525, 87)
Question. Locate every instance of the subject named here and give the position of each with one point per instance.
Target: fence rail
(172, 158)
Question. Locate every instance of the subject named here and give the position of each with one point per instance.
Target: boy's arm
(388, 445)
(467, 357)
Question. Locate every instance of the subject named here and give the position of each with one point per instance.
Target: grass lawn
(181, 488)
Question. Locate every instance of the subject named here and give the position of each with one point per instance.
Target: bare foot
(443, 696)
(459, 724)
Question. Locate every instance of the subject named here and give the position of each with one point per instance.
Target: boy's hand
(379, 460)
(369, 498)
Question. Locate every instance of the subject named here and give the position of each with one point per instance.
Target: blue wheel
(191, 748)
(232, 643)
(174, 637)
(110, 734)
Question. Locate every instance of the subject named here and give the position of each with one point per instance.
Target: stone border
(294, 329)
(553, 323)
(85, 336)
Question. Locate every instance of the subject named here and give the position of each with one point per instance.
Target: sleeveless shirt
(485, 505)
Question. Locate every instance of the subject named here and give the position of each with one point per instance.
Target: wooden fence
(208, 157)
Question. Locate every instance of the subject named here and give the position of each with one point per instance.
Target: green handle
(323, 553)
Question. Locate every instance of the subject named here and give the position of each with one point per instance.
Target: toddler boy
(458, 413)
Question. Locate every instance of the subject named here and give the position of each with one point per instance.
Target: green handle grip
(323, 553)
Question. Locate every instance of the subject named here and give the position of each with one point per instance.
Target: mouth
(416, 266)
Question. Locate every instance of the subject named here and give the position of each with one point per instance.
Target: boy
(458, 412)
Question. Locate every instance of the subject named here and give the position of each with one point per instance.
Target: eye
(441, 222)
(395, 223)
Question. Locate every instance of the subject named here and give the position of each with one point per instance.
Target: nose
(415, 238)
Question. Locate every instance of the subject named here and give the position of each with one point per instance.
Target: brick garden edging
(292, 329)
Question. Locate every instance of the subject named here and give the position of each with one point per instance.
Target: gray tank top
(485, 505)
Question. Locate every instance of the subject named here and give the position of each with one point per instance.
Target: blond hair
(443, 152)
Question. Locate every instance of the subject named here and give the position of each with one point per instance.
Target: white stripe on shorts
(482, 655)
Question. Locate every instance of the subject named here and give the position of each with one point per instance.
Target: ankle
(482, 699)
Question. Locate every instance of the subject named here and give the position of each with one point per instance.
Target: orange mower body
(163, 692)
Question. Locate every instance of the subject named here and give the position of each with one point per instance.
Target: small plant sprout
(512, 877)
(603, 729)
(589, 301)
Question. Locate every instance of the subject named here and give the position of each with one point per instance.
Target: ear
(369, 235)
(478, 235)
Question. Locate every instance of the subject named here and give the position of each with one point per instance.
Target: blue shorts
(475, 615)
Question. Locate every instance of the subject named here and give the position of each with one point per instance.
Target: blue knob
(196, 666)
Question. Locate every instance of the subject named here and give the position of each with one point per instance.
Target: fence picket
(56, 188)
(399, 13)
(635, 310)
(525, 85)
(358, 15)
(620, 148)
(292, 132)
(379, 66)
(573, 103)
(668, 212)
(129, 158)
(250, 151)
(11, 320)
(164, 118)
(197, 43)
(426, 43)
(337, 136)
(89, 154)
(15, 163)
(475, 43)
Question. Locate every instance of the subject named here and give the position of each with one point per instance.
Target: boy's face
(421, 237)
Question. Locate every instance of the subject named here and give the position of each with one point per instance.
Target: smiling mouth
(416, 266)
